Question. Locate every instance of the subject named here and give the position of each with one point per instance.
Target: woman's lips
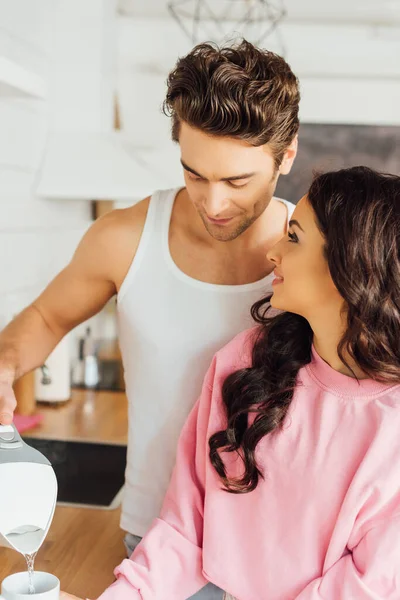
(278, 279)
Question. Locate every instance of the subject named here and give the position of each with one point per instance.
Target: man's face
(229, 181)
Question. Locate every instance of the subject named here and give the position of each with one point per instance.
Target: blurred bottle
(78, 371)
(53, 378)
(90, 361)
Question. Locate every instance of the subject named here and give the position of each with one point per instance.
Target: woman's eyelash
(292, 237)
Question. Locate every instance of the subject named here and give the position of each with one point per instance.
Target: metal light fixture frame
(272, 13)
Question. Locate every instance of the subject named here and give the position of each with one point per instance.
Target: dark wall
(331, 147)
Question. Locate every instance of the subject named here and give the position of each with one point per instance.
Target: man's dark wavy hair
(237, 91)
(357, 211)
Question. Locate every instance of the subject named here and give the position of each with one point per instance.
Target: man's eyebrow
(294, 222)
(233, 178)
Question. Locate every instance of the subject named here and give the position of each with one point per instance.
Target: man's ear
(289, 156)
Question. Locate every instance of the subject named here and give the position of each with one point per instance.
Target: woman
(287, 481)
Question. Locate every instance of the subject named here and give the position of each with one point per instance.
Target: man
(186, 265)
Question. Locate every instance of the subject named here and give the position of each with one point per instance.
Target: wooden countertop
(91, 416)
(83, 545)
(82, 548)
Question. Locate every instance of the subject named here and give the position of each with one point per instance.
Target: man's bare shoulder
(124, 221)
(112, 241)
(121, 229)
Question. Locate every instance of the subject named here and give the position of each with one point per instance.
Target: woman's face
(303, 283)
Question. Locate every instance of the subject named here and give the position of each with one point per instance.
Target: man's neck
(237, 262)
(270, 226)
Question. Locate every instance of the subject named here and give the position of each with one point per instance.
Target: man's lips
(219, 221)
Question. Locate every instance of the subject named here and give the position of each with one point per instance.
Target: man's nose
(215, 202)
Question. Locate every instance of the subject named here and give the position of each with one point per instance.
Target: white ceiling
(383, 12)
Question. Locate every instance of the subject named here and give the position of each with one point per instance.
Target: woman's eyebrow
(294, 222)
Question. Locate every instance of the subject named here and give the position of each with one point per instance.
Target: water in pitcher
(26, 539)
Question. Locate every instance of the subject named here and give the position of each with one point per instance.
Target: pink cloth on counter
(24, 422)
(324, 523)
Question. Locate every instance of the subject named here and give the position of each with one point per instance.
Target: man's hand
(7, 403)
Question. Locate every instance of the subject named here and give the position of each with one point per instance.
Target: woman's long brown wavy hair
(357, 211)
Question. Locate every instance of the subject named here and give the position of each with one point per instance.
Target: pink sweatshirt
(324, 524)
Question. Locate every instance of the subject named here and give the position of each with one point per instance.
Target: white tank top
(170, 326)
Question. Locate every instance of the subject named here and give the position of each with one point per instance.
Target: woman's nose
(274, 254)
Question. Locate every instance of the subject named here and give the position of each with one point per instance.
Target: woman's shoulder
(237, 354)
(234, 356)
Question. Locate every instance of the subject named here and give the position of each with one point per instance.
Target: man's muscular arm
(93, 276)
